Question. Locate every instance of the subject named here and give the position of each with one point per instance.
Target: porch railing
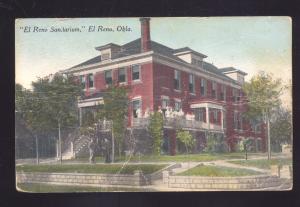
(178, 123)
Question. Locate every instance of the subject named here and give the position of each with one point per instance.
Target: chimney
(145, 34)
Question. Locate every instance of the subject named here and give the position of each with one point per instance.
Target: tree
(263, 92)
(50, 105)
(156, 131)
(246, 146)
(186, 138)
(115, 109)
(280, 128)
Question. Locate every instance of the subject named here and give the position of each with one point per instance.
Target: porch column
(207, 117)
(80, 116)
(222, 117)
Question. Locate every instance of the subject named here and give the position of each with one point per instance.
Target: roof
(231, 69)
(107, 46)
(134, 47)
(187, 49)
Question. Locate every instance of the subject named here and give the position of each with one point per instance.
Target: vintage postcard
(153, 104)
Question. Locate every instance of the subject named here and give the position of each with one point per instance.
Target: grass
(48, 188)
(218, 171)
(263, 164)
(168, 158)
(95, 168)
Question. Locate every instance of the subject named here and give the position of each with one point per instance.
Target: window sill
(92, 88)
(136, 82)
(193, 94)
(123, 83)
(178, 91)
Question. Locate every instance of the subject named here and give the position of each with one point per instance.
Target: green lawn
(264, 164)
(217, 171)
(94, 168)
(168, 158)
(47, 188)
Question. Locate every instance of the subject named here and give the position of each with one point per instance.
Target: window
(177, 105)
(135, 72)
(238, 98)
(203, 87)
(122, 75)
(91, 80)
(222, 96)
(215, 116)
(192, 83)
(82, 81)
(164, 103)
(234, 95)
(214, 90)
(224, 119)
(136, 107)
(108, 77)
(177, 83)
(105, 56)
(235, 120)
(258, 128)
(194, 61)
(200, 114)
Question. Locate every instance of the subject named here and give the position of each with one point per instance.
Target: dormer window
(105, 56)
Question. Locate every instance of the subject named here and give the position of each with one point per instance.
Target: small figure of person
(92, 146)
(107, 151)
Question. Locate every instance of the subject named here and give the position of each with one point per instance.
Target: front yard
(218, 171)
(176, 158)
(94, 168)
(263, 163)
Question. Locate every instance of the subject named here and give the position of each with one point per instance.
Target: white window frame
(203, 83)
(192, 81)
(124, 68)
(93, 80)
(111, 72)
(140, 75)
(177, 77)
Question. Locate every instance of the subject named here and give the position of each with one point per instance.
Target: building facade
(191, 93)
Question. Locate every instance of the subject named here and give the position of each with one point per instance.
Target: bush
(215, 143)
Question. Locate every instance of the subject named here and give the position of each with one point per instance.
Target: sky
(251, 44)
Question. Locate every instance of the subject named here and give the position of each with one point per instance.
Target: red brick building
(189, 91)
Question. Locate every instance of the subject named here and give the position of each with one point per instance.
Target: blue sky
(248, 43)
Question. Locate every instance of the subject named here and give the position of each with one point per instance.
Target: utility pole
(37, 150)
(60, 147)
(112, 143)
(269, 138)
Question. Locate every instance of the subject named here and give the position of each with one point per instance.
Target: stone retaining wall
(81, 178)
(222, 183)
